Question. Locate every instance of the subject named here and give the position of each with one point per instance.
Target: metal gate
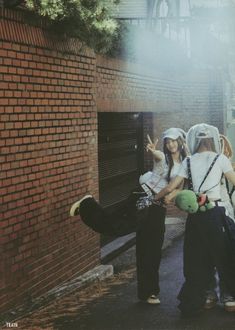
(120, 153)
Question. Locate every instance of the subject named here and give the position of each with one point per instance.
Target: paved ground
(112, 303)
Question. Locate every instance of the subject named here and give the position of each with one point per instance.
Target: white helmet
(201, 131)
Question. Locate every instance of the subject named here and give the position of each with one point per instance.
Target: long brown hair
(169, 160)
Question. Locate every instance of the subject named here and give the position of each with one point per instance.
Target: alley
(112, 304)
(84, 84)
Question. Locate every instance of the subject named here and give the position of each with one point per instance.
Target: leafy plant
(89, 20)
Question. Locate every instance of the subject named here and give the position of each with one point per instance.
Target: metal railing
(173, 28)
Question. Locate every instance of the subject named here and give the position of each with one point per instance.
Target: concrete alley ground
(112, 303)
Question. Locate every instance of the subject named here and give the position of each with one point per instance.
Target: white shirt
(157, 179)
(200, 163)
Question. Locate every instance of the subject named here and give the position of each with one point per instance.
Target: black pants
(149, 225)
(122, 221)
(209, 241)
(149, 241)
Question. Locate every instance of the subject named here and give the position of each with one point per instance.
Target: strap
(207, 173)
(190, 181)
(147, 189)
(204, 179)
(226, 183)
(228, 188)
(232, 191)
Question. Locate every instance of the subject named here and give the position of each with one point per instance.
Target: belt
(218, 202)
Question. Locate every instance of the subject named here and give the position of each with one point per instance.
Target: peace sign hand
(152, 147)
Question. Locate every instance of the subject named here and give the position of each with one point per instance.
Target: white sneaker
(211, 300)
(74, 210)
(229, 306)
(210, 303)
(153, 300)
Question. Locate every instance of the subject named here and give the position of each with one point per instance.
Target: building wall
(50, 93)
(131, 9)
(48, 159)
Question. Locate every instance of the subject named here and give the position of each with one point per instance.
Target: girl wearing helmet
(210, 235)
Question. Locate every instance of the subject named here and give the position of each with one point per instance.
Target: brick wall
(50, 93)
(48, 159)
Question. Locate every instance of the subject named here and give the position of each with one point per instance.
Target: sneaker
(75, 207)
(229, 304)
(153, 300)
(211, 300)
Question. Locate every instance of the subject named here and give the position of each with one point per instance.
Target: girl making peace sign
(141, 213)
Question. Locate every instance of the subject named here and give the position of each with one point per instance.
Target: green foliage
(88, 20)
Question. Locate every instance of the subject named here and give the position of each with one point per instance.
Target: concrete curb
(98, 273)
(114, 248)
